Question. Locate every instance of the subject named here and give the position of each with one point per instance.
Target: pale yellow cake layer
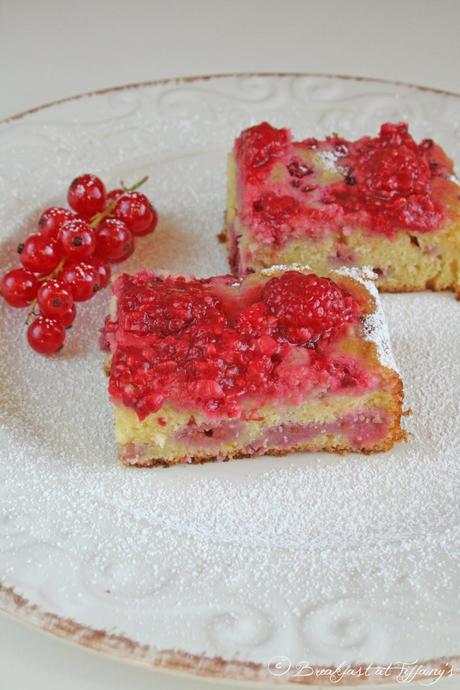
(426, 262)
(159, 438)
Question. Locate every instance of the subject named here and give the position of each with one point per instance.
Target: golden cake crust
(394, 435)
(406, 260)
(161, 438)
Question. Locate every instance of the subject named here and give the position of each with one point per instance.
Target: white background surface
(50, 49)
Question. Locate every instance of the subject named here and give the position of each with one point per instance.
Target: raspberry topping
(276, 209)
(226, 348)
(391, 166)
(308, 306)
(298, 169)
(392, 182)
(384, 184)
(260, 144)
(168, 307)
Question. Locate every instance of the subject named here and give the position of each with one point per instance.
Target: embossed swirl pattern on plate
(71, 535)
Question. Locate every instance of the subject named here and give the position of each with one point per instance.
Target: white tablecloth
(50, 49)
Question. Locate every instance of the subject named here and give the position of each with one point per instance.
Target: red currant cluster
(68, 259)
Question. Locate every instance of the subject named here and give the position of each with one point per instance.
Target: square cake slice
(385, 202)
(279, 361)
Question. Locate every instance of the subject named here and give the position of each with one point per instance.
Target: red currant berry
(77, 239)
(82, 279)
(19, 287)
(114, 241)
(54, 299)
(51, 221)
(154, 222)
(136, 211)
(114, 195)
(45, 335)
(68, 316)
(103, 269)
(87, 195)
(39, 255)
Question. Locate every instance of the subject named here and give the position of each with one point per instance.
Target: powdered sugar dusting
(329, 160)
(375, 325)
(314, 556)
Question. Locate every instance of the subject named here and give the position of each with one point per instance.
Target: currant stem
(53, 273)
(99, 217)
(136, 185)
(102, 215)
(31, 313)
(95, 221)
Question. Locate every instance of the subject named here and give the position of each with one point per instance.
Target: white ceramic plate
(242, 569)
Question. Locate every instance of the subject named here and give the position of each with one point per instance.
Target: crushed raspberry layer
(226, 347)
(384, 184)
(359, 430)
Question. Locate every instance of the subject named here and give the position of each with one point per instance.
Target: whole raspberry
(389, 172)
(257, 145)
(389, 178)
(392, 134)
(307, 306)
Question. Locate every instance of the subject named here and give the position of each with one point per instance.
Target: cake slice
(279, 361)
(385, 202)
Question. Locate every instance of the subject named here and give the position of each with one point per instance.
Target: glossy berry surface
(153, 223)
(306, 306)
(114, 241)
(103, 270)
(19, 287)
(393, 181)
(67, 317)
(261, 144)
(81, 279)
(384, 184)
(77, 239)
(45, 335)
(39, 255)
(136, 211)
(51, 220)
(210, 345)
(54, 299)
(114, 194)
(275, 208)
(68, 259)
(87, 195)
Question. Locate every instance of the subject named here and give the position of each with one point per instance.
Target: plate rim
(220, 75)
(177, 662)
(185, 664)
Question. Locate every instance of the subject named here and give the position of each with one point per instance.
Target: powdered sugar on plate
(313, 556)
